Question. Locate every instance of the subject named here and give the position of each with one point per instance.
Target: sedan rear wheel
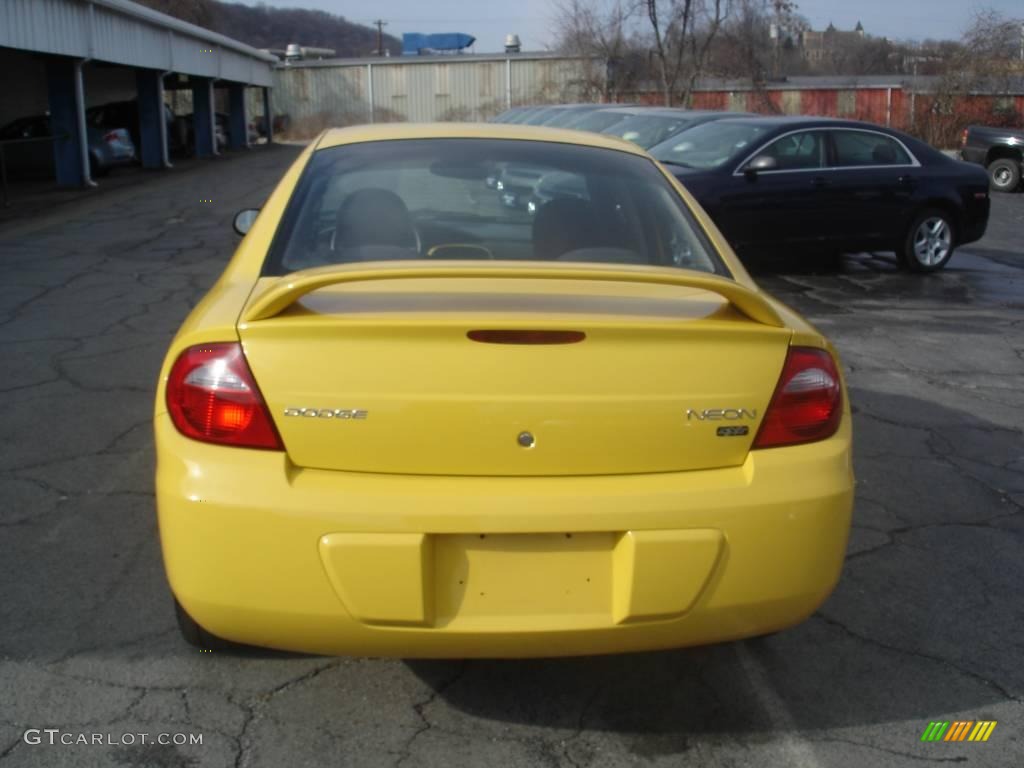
(928, 245)
(1004, 175)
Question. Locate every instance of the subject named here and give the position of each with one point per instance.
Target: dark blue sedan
(828, 185)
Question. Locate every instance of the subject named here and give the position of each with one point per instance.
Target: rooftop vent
(296, 52)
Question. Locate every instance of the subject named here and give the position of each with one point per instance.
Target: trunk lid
(373, 377)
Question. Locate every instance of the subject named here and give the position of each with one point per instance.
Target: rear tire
(1004, 175)
(929, 242)
(195, 635)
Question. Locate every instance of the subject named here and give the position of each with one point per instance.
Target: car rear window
(482, 199)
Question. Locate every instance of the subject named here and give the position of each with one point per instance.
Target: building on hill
(820, 46)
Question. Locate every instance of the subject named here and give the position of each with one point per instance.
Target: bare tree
(683, 32)
(599, 28)
(985, 63)
(760, 42)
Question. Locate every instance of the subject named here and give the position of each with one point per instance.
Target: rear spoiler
(290, 288)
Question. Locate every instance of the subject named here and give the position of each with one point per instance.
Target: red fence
(895, 106)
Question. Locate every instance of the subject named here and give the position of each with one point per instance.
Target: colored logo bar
(959, 730)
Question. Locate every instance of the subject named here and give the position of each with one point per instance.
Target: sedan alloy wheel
(929, 243)
(933, 241)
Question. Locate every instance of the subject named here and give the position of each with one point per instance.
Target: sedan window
(797, 151)
(859, 148)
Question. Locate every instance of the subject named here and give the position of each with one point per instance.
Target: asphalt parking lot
(926, 624)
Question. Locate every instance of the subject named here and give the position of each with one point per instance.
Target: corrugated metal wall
(326, 94)
(94, 31)
(315, 99)
(459, 89)
(50, 26)
(715, 100)
(820, 101)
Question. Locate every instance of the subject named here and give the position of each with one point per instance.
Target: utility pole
(380, 36)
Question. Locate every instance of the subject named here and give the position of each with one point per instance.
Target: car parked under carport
(108, 147)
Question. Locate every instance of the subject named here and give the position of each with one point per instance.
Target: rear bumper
(260, 552)
(110, 158)
(973, 155)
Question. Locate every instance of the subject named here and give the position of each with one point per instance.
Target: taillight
(212, 397)
(963, 138)
(808, 401)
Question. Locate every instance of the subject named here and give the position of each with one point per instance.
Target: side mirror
(245, 219)
(759, 164)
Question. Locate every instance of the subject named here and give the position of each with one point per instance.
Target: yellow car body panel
(429, 423)
(249, 546)
(438, 543)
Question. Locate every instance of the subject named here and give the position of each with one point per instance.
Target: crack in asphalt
(946, 458)
(893, 752)
(92, 723)
(419, 707)
(105, 646)
(255, 707)
(581, 720)
(823, 616)
(10, 748)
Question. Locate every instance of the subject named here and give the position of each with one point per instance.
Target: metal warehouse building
(63, 56)
(317, 94)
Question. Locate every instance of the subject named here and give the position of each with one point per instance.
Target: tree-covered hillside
(264, 26)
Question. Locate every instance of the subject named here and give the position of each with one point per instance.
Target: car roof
(680, 112)
(645, 110)
(800, 121)
(581, 105)
(357, 134)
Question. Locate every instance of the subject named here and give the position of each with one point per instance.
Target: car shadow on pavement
(924, 623)
(1000, 256)
(817, 263)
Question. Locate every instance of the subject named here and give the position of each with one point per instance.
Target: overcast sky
(490, 20)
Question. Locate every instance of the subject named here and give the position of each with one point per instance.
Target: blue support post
(152, 118)
(239, 138)
(202, 117)
(61, 77)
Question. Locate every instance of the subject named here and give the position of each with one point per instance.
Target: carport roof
(123, 32)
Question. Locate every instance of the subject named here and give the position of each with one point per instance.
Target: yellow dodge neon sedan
(472, 390)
